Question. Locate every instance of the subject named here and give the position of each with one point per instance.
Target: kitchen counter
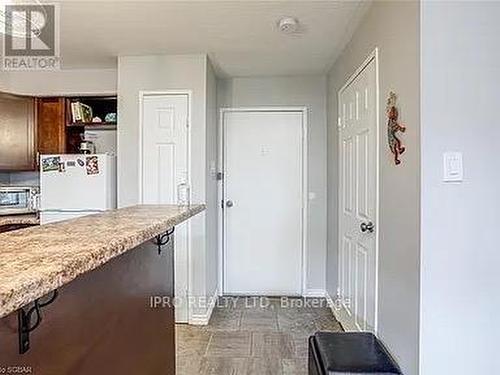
(38, 260)
(27, 219)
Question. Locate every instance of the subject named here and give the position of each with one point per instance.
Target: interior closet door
(358, 201)
(165, 170)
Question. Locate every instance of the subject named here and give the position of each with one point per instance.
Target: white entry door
(165, 169)
(358, 201)
(263, 202)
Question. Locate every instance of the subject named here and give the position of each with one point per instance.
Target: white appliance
(104, 139)
(18, 200)
(76, 185)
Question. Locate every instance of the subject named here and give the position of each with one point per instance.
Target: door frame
(373, 56)
(304, 187)
(189, 94)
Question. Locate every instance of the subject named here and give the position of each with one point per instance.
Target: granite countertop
(37, 260)
(28, 219)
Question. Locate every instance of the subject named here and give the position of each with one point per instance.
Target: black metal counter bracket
(163, 239)
(24, 321)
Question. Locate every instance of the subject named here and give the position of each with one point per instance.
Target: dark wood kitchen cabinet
(32, 126)
(17, 133)
(51, 125)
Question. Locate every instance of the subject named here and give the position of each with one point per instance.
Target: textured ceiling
(240, 37)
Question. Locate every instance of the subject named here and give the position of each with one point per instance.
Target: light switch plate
(453, 167)
(213, 169)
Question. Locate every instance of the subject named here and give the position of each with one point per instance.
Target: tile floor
(253, 336)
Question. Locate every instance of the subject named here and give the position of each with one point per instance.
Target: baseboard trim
(314, 293)
(331, 304)
(336, 311)
(340, 315)
(203, 319)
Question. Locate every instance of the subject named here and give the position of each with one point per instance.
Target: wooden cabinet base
(11, 227)
(103, 322)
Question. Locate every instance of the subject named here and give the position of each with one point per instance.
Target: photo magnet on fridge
(51, 164)
(92, 163)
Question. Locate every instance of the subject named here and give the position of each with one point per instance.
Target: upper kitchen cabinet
(17, 133)
(62, 122)
(51, 125)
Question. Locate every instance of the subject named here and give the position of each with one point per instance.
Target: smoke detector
(288, 25)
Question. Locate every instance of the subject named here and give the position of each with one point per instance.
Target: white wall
(212, 199)
(393, 27)
(60, 82)
(460, 251)
(161, 72)
(309, 91)
(170, 72)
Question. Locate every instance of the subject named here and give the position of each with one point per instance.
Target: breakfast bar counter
(14, 222)
(85, 286)
(38, 260)
(25, 219)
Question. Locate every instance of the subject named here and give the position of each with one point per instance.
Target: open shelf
(92, 124)
(100, 105)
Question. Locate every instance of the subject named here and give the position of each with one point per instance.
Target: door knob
(367, 227)
(229, 203)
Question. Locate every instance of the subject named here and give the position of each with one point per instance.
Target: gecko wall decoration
(393, 127)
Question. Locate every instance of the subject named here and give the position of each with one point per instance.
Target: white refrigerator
(76, 185)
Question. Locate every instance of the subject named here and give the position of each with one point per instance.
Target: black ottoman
(349, 352)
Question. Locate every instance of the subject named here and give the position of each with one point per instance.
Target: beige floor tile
(188, 365)
(248, 336)
(296, 323)
(294, 366)
(262, 320)
(224, 366)
(229, 344)
(191, 340)
(327, 324)
(264, 366)
(272, 344)
(301, 344)
(225, 320)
